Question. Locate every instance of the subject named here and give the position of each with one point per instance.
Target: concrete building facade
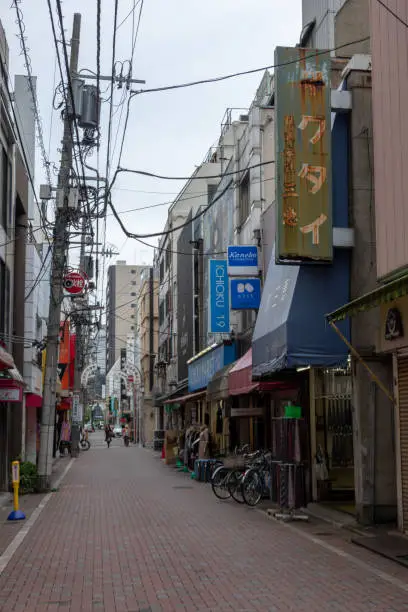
(123, 286)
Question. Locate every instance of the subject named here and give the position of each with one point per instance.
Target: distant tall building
(123, 288)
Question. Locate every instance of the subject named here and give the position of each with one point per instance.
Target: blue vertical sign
(219, 297)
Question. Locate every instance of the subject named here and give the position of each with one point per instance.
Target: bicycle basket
(235, 462)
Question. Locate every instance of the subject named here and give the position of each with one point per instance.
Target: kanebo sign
(242, 260)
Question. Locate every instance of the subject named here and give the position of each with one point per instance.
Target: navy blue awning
(291, 330)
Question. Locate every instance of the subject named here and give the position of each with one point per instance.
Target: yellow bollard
(16, 514)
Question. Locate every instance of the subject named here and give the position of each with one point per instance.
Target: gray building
(124, 282)
(318, 23)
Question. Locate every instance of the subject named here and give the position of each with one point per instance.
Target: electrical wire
(397, 17)
(115, 21)
(71, 94)
(225, 77)
(177, 227)
(177, 200)
(195, 177)
(23, 151)
(38, 121)
(42, 270)
(129, 14)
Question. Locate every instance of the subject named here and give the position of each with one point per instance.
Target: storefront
(11, 396)
(194, 408)
(380, 407)
(291, 338)
(219, 400)
(394, 322)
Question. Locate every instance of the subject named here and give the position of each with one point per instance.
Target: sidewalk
(28, 503)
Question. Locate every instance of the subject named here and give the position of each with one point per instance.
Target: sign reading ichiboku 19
(303, 155)
(219, 321)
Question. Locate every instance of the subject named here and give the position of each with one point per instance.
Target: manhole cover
(182, 487)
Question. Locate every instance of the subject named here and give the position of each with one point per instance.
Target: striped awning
(381, 295)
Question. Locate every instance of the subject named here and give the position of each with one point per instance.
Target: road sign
(76, 409)
(74, 283)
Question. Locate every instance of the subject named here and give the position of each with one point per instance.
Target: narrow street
(125, 533)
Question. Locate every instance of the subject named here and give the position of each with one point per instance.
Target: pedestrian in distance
(126, 435)
(108, 434)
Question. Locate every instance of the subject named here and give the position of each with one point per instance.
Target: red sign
(74, 283)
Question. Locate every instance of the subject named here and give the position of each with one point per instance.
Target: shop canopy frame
(217, 388)
(383, 294)
(380, 295)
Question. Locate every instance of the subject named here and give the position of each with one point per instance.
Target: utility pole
(60, 241)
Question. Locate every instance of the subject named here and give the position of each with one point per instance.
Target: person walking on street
(126, 435)
(108, 434)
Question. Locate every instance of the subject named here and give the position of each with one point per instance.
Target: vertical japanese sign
(64, 355)
(303, 155)
(218, 320)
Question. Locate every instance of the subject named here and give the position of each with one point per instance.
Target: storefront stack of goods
(190, 449)
(288, 469)
(204, 468)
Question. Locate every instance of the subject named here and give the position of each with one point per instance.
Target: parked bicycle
(254, 481)
(226, 478)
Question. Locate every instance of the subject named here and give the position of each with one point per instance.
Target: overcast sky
(169, 132)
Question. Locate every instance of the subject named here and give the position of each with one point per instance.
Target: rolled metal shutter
(403, 420)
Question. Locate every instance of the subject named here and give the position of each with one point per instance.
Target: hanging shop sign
(245, 293)
(219, 321)
(393, 325)
(303, 155)
(242, 260)
(75, 283)
(246, 412)
(202, 368)
(12, 394)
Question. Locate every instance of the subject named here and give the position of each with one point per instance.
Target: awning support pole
(363, 363)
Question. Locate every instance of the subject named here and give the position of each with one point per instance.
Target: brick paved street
(125, 533)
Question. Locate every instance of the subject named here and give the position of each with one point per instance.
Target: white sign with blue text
(243, 260)
(245, 293)
(219, 307)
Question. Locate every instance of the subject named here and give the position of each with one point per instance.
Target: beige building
(124, 282)
(148, 337)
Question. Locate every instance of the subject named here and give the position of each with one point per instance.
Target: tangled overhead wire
(27, 63)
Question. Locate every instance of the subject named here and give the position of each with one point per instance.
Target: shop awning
(191, 397)
(381, 295)
(33, 400)
(291, 330)
(217, 388)
(240, 376)
(6, 360)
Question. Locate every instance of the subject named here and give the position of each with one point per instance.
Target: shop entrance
(334, 457)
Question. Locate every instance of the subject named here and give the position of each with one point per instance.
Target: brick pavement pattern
(126, 534)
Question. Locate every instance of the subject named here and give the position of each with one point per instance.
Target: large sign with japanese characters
(303, 155)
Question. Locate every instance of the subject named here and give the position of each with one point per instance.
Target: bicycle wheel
(219, 482)
(85, 445)
(234, 485)
(252, 487)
